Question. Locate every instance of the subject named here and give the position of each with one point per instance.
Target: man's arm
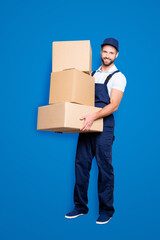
(115, 99)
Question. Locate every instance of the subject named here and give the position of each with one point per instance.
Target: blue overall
(98, 145)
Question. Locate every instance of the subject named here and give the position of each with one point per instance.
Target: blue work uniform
(98, 145)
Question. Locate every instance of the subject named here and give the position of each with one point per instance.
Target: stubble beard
(107, 64)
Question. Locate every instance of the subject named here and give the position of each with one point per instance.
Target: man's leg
(103, 154)
(83, 161)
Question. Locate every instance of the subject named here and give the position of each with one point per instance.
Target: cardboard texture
(72, 86)
(72, 54)
(64, 117)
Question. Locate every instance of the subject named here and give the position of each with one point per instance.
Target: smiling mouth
(106, 59)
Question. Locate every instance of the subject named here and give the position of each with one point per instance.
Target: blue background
(37, 168)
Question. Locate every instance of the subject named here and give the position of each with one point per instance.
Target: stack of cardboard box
(72, 89)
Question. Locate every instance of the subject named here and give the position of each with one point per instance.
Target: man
(109, 87)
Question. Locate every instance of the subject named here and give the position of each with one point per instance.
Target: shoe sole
(103, 222)
(75, 215)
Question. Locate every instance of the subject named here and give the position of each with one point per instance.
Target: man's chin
(107, 64)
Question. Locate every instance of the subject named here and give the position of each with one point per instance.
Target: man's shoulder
(120, 74)
(118, 80)
(95, 71)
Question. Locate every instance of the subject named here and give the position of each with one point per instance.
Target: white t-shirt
(117, 81)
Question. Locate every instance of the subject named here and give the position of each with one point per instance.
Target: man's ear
(117, 54)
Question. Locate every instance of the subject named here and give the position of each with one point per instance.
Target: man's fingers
(81, 118)
(85, 127)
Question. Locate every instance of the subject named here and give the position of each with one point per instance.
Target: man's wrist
(95, 115)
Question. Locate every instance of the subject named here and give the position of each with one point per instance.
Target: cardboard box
(72, 54)
(72, 86)
(64, 117)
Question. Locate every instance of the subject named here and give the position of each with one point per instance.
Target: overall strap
(110, 75)
(93, 73)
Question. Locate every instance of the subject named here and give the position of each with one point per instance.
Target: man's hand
(115, 99)
(89, 119)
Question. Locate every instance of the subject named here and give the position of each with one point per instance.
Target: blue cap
(111, 41)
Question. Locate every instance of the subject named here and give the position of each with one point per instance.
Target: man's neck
(106, 68)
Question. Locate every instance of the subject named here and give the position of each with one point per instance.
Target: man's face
(108, 55)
